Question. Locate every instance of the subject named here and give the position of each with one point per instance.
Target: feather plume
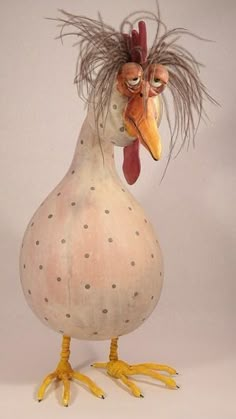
(102, 51)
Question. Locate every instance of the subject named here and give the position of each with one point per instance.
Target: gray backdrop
(193, 211)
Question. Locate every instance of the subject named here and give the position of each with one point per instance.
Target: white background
(193, 211)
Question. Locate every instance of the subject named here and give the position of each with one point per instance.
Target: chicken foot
(65, 373)
(121, 370)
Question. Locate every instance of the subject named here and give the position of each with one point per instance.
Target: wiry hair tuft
(103, 50)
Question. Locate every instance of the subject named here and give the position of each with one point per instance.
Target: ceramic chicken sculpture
(91, 266)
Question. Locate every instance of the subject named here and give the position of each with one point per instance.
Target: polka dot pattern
(79, 227)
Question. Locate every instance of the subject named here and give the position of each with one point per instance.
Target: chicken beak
(140, 121)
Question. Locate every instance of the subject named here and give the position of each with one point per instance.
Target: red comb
(137, 43)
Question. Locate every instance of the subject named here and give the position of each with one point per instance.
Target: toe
(66, 392)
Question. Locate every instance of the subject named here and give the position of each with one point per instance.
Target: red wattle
(131, 164)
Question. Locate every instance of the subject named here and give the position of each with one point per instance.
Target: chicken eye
(134, 82)
(155, 82)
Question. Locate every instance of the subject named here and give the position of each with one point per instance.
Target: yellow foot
(65, 373)
(121, 370)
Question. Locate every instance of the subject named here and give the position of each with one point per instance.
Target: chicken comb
(137, 43)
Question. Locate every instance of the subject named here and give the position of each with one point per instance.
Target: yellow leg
(121, 370)
(65, 373)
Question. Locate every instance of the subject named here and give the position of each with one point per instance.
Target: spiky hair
(103, 50)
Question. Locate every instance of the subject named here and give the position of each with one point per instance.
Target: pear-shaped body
(91, 267)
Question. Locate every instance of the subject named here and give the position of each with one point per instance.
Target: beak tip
(156, 157)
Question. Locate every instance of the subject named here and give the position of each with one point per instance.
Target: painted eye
(134, 82)
(155, 82)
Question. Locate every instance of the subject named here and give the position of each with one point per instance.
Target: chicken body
(91, 267)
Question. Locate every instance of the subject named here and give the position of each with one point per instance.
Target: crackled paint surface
(91, 266)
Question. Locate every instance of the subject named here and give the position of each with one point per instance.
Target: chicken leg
(122, 371)
(65, 373)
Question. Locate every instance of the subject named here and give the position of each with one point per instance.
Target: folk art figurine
(91, 266)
